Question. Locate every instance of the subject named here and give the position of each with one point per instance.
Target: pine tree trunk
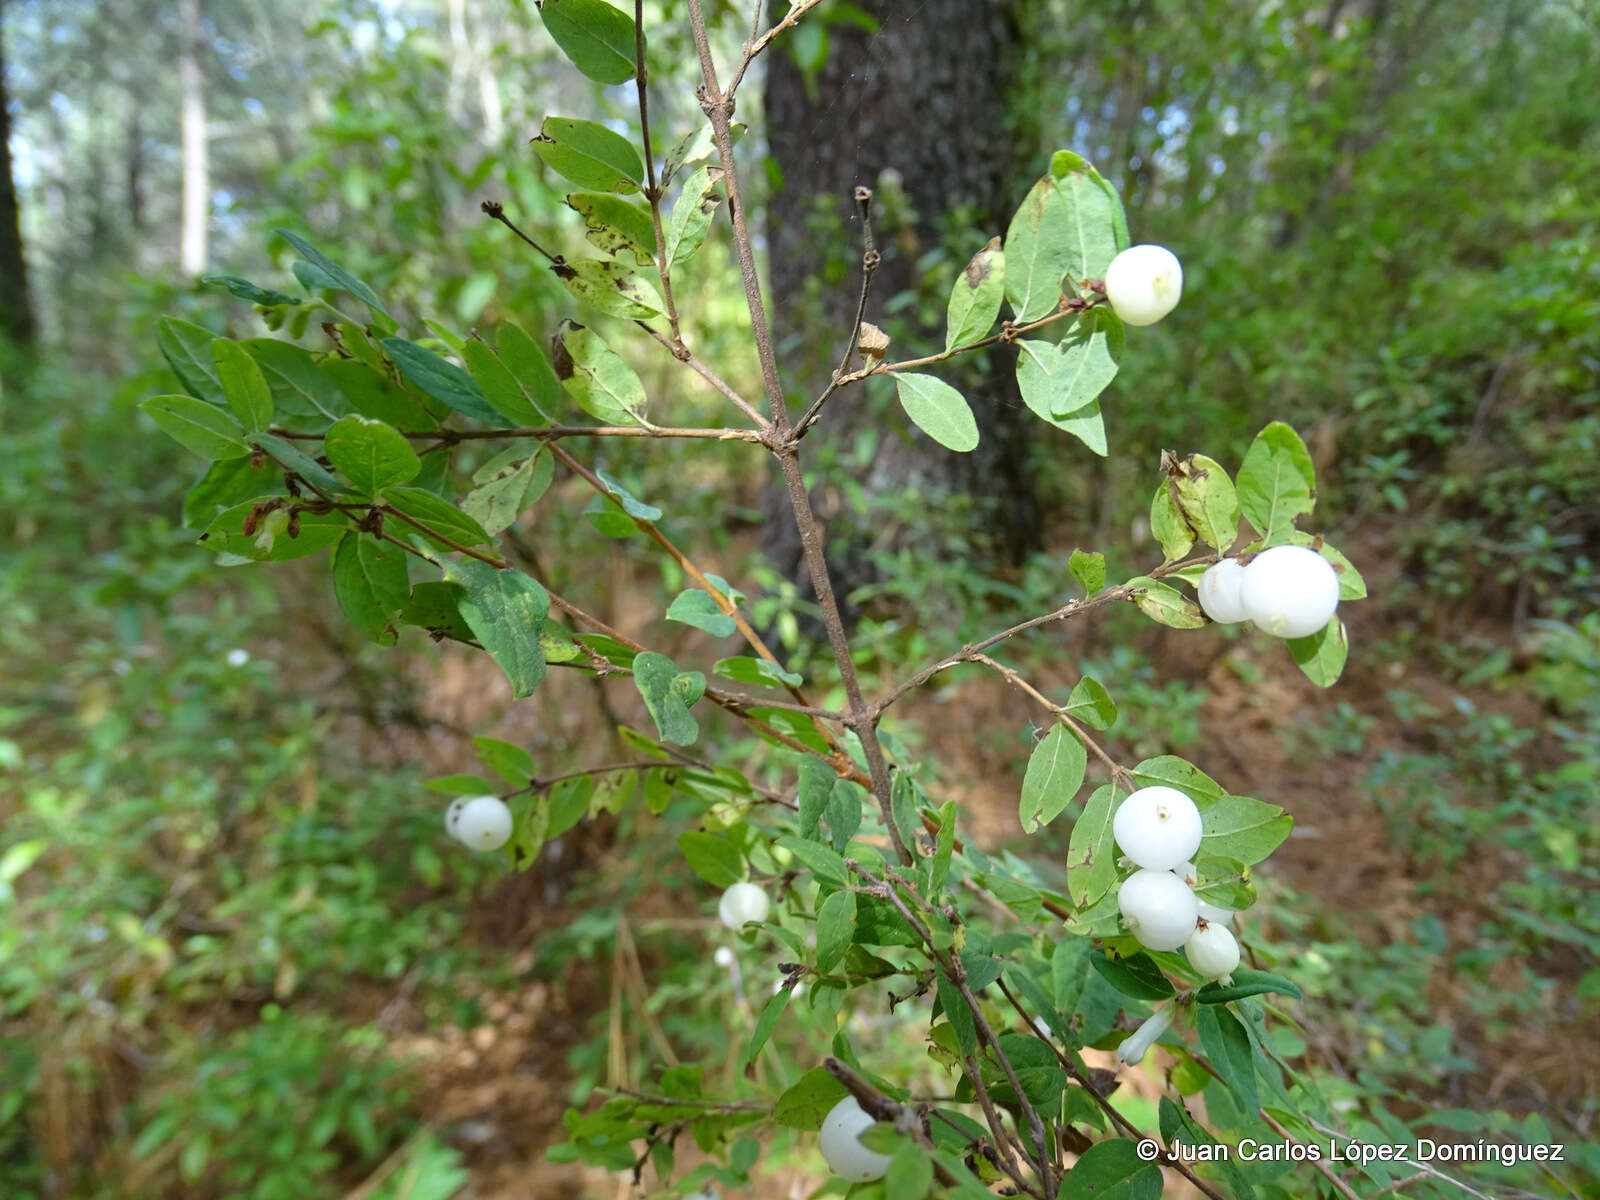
(920, 107)
(16, 311)
(192, 251)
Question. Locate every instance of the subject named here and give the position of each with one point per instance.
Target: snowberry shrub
(409, 464)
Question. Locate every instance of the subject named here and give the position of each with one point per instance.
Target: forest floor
(500, 1089)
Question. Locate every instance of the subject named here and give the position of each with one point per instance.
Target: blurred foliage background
(224, 896)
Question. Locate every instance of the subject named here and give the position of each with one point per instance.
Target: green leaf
(1091, 854)
(1322, 655)
(339, 277)
(434, 607)
(805, 1104)
(246, 290)
(300, 385)
(843, 812)
(1096, 226)
(1092, 704)
(511, 762)
(292, 458)
(1276, 481)
(755, 671)
(1227, 1045)
(1247, 983)
(836, 925)
(615, 225)
(533, 371)
(668, 693)
(187, 349)
(766, 1023)
(1051, 375)
(610, 287)
(1089, 570)
(1167, 524)
(1243, 829)
(227, 483)
(1037, 251)
(439, 517)
(714, 859)
(938, 410)
(1174, 772)
(1068, 967)
(317, 531)
(372, 393)
(1209, 500)
(815, 789)
(975, 298)
(631, 504)
(826, 864)
(499, 386)
(1088, 356)
(505, 609)
(245, 385)
(1055, 772)
(372, 455)
(910, 1174)
(444, 381)
(690, 219)
(507, 492)
(1136, 976)
(1112, 1170)
(371, 584)
(195, 425)
(589, 154)
(1166, 605)
(697, 608)
(598, 378)
(957, 1013)
(598, 38)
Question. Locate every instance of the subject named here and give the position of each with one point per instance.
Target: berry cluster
(479, 822)
(1158, 829)
(1288, 591)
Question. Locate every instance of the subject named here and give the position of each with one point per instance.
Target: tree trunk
(196, 174)
(919, 111)
(16, 312)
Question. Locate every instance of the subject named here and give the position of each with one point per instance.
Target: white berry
(1219, 592)
(1144, 284)
(484, 823)
(1212, 951)
(1289, 591)
(741, 903)
(723, 957)
(841, 1143)
(1159, 908)
(452, 817)
(1157, 827)
(1137, 1044)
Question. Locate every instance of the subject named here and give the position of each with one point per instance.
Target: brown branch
(689, 359)
(550, 433)
(1017, 681)
(497, 210)
(652, 193)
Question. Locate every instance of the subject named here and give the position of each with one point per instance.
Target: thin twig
(652, 193)
(1060, 714)
(686, 356)
(1322, 1168)
(757, 45)
(869, 267)
(497, 210)
(550, 433)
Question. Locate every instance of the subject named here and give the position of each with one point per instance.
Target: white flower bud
(1137, 1044)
